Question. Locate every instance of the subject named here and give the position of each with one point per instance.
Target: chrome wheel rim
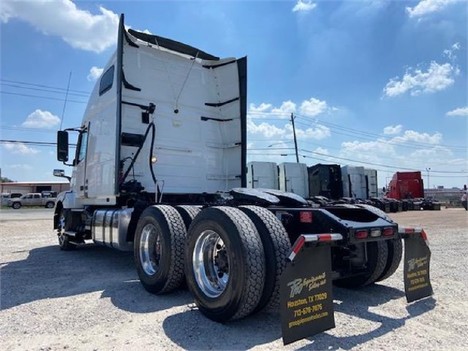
(61, 228)
(150, 249)
(211, 264)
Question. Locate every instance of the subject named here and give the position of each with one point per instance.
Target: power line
(44, 90)
(372, 136)
(27, 142)
(40, 97)
(355, 133)
(22, 129)
(87, 93)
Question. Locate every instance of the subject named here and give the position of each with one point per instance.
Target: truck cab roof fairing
(173, 45)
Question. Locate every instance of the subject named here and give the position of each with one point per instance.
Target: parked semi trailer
(325, 180)
(160, 169)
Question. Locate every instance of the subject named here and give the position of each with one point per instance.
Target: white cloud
(19, 148)
(450, 53)
(78, 28)
(23, 167)
(438, 153)
(425, 7)
(369, 148)
(263, 107)
(461, 111)
(308, 108)
(318, 132)
(41, 119)
(392, 130)
(313, 107)
(438, 77)
(285, 110)
(413, 136)
(304, 6)
(265, 129)
(94, 73)
(270, 131)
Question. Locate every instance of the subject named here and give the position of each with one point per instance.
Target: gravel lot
(91, 299)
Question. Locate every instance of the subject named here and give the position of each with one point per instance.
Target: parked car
(32, 199)
(5, 197)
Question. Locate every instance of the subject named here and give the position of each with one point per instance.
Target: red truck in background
(406, 185)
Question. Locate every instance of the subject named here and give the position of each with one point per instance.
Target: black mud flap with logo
(416, 264)
(306, 288)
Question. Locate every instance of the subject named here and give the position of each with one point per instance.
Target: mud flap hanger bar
(312, 238)
(409, 232)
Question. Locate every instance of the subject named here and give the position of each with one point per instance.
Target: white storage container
(262, 175)
(294, 178)
(354, 182)
(371, 182)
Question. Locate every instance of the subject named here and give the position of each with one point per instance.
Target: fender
(68, 200)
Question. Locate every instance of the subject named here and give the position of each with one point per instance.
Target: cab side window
(82, 146)
(106, 80)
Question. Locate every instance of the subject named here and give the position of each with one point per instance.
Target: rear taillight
(424, 235)
(305, 217)
(361, 234)
(388, 231)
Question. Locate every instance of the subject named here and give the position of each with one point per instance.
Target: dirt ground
(91, 299)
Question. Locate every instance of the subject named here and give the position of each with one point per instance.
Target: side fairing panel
(198, 143)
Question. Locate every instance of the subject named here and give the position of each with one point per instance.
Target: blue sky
(380, 84)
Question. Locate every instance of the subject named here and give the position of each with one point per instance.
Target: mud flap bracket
(306, 288)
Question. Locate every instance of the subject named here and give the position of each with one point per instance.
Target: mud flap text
(306, 294)
(416, 268)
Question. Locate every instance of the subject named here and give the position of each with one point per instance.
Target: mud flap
(416, 264)
(306, 288)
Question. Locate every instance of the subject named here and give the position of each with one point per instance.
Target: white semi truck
(160, 169)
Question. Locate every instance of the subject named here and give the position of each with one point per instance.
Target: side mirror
(59, 172)
(62, 146)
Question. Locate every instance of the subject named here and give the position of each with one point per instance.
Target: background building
(34, 187)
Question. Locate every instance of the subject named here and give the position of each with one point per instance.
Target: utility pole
(295, 139)
(428, 178)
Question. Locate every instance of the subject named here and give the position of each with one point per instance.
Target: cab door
(79, 176)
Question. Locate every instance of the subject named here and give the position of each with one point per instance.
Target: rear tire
(277, 248)
(159, 249)
(49, 204)
(16, 205)
(225, 263)
(188, 213)
(395, 252)
(377, 253)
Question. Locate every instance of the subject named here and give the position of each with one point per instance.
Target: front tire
(159, 249)
(16, 205)
(225, 263)
(64, 221)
